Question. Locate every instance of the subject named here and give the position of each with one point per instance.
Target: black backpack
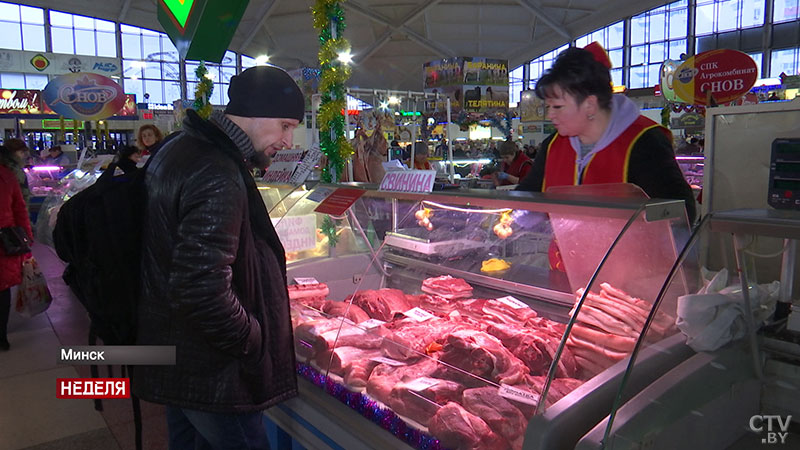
(98, 234)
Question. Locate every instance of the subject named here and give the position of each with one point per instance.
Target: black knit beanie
(265, 91)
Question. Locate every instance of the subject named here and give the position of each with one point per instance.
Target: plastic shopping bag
(33, 296)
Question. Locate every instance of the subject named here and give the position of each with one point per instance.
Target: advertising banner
(84, 96)
(477, 85)
(56, 63)
(531, 107)
(20, 101)
(668, 69)
(716, 76)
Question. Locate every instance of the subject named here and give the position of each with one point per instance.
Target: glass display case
(692, 168)
(476, 319)
(740, 319)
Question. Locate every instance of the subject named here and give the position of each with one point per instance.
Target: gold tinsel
(345, 148)
(333, 76)
(328, 112)
(331, 49)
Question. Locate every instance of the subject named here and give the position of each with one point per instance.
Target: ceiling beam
(544, 18)
(263, 14)
(569, 8)
(402, 27)
(123, 11)
(365, 54)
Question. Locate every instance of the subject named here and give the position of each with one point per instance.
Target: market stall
(444, 318)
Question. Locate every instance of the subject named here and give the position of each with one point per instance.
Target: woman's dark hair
(127, 151)
(578, 73)
(56, 148)
(508, 148)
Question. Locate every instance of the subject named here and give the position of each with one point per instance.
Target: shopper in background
(55, 157)
(127, 159)
(148, 139)
(601, 138)
(514, 167)
(689, 148)
(13, 213)
(13, 154)
(214, 270)
(421, 153)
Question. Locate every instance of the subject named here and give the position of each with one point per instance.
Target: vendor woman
(421, 154)
(600, 137)
(515, 165)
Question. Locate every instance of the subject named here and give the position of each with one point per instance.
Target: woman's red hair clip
(599, 53)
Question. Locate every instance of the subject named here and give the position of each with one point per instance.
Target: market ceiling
(391, 40)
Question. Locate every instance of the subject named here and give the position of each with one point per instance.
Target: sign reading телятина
(420, 181)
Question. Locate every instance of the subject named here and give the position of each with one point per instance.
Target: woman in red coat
(12, 213)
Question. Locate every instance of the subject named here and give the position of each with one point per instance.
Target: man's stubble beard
(261, 160)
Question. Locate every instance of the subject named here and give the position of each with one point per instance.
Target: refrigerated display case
(746, 366)
(475, 319)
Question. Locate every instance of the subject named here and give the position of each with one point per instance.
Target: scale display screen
(784, 183)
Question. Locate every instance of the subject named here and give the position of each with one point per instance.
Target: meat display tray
(421, 245)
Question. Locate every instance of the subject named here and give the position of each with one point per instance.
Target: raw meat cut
(536, 347)
(612, 341)
(357, 373)
(353, 312)
(500, 312)
(436, 304)
(502, 417)
(558, 388)
(384, 377)
(481, 355)
(413, 339)
(311, 302)
(319, 335)
(458, 429)
(421, 404)
(338, 359)
(382, 304)
(447, 287)
(298, 291)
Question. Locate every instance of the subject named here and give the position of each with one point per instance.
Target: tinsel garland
(203, 91)
(502, 122)
(333, 75)
(328, 228)
(385, 418)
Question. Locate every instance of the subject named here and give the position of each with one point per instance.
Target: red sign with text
(339, 201)
(718, 76)
(93, 388)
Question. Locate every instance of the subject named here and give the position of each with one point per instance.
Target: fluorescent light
(262, 60)
(393, 100)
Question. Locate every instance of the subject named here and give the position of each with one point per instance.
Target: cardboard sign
(283, 166)
(305, 280)
(723, 74)
(371, 323)
(339, 201)
(84, 96)
(519, 395)
(420, 181)
(297, 233)
(512, 302)
(389, 361)
(418, 314)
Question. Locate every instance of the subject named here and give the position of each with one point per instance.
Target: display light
(262, 60)
(394, 100)
(345, 57)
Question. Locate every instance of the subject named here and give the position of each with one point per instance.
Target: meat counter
(746, 367)
(474, 319)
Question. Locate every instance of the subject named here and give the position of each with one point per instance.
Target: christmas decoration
(203, 91)
(328, 19)
(329, 229)
(369, 408)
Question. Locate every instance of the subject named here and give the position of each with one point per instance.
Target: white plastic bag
(32, 296)
(716, 314)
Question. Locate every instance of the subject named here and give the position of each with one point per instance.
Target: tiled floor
(31, 417)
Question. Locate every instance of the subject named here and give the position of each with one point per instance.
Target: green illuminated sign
(201, 29)
(410, 113)
(180, 9)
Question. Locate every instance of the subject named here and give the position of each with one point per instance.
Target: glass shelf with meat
(741, 365)
(486, 321)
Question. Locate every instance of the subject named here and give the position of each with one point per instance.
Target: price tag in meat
(420, 384)
(308, 280)
(389, 361)
(519, 395)
(348, 321)
(512, 302)
(371, 323)
(419, 314)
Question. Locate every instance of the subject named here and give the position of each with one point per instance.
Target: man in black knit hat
(214, 270)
